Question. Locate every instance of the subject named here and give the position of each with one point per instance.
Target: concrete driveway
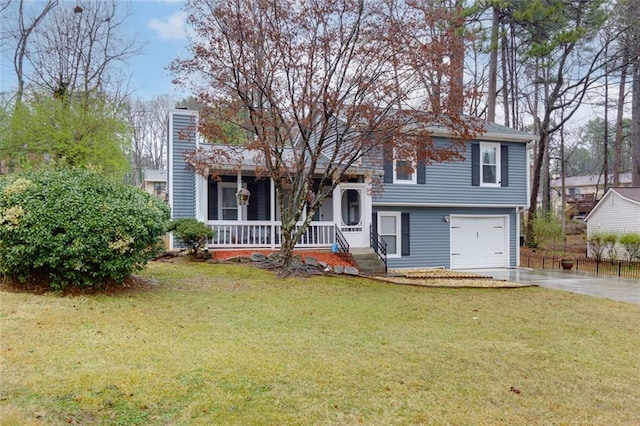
(623, 290)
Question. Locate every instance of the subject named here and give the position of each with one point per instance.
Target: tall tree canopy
(43, 129)
(332, 79)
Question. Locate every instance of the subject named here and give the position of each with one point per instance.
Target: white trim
(221, 187)
(492, 137)
(398, 216)
(498, 165)
(517, 237)
(414, 204)
(414, 173)
(528, 174)
(202, 196)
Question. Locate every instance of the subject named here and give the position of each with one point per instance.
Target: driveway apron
(620, 289)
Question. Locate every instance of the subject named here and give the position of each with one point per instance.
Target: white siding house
(617, 212)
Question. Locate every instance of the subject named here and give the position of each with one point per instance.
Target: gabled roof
(498, 131)
(492, 132)
(629, 194)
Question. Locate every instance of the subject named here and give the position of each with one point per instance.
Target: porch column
(201, 198)
(337, 203)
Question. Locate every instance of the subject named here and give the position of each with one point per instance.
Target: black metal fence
(612, 268)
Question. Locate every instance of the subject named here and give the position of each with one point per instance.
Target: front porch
(254, 221)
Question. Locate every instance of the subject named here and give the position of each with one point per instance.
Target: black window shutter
(475, 164)
(504, 165)
(421, 172)
(388, 163)
(404, 231)
(421, 178)
(212, 198)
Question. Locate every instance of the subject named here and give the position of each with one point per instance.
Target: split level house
(458, 215)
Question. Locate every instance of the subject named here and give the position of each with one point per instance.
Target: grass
(230, 344)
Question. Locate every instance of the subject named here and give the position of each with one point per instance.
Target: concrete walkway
(620, 289)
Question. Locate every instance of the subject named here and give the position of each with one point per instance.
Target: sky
(159, 26)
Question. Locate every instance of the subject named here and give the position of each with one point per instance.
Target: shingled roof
(630, 193)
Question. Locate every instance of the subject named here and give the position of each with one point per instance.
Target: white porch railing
(256, 233)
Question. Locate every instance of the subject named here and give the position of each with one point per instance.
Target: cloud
(171, 28)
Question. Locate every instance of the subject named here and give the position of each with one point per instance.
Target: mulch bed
(321, 256)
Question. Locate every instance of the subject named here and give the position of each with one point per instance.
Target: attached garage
(479, 242)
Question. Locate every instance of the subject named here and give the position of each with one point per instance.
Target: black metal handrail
(379, 246)
(341, 241)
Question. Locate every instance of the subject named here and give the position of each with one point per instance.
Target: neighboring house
(461, 214)
(617, 212)
(155, 182)
(582, 191)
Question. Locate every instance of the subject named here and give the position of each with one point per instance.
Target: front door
(352, 207)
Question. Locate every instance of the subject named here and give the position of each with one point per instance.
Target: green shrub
(74, 227)
(601, 243)
(546, 227)
(631, 243)
(192, 233)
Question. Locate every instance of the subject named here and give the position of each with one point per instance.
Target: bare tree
(76, 50)
(148, 134)
(313, 82)
(570, 63)
(25, 22)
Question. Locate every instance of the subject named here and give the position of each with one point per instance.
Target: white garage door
(479, 242)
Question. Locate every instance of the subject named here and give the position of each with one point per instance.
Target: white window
(404, 171)
(227, 203)
(490, 164)
(389, 230)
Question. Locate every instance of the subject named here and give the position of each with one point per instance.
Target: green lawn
(227, 344)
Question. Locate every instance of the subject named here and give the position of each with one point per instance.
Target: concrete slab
(620, 289)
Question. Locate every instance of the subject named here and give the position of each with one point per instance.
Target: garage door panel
(478, 242)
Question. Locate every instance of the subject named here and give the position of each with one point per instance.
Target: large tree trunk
(506, 81)
(535, 184)
(635, 124)
(617, 162)
(456, 86)
(605, 137)
(493, 68)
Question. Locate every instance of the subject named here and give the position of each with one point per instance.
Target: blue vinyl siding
(430, 244)
(183, 185)
(450, 184)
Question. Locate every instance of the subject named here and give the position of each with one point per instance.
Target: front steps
(367, 261)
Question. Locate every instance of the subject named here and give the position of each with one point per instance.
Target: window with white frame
(227, 203)
(389, 230)
(404, 171)
(490, 164)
